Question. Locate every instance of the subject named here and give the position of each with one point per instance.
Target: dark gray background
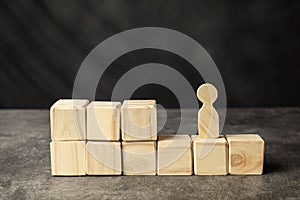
(255, 45)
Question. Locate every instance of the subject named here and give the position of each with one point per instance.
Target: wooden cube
(174, 155)
(67, 158)
(103, 120)
(68, 119)
(103, 158)
(139, 158)
(246, 154)
(139, 120)
(210, 156)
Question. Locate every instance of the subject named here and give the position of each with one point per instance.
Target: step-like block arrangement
(86, 139)
(174, 155)
(210, 156)
(246, 154)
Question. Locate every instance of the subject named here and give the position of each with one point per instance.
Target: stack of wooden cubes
(110, 138)
(103, 148)
(68, 135)
(139, 135)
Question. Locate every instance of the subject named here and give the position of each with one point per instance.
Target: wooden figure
(103, 120)
(246, 154)
(174, 155)
(139, 120)
(208, 118)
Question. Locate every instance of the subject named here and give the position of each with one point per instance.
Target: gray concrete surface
(25, 163)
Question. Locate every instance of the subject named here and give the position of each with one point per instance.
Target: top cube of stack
(103, 120)
(139, 120)
(68, 119)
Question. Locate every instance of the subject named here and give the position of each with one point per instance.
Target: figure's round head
(207, 93)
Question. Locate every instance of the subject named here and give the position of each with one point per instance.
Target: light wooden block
(246, 154)
(67, 158)
(139, 158)
(103, 120)
(139, 120)
(174, 155)
(103, 158)
(210, 156)
(68, 119)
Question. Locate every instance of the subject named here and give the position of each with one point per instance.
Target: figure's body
(208, 118)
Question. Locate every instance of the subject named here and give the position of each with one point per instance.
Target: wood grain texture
(208, 118)
(139, 158)
(103, 120)
(67, 158)
(68, 119)
(246, 154)
(103, 158)
(174, 155)
(210, 156)
(139, 120)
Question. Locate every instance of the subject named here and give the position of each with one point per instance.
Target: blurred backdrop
(255, 44)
